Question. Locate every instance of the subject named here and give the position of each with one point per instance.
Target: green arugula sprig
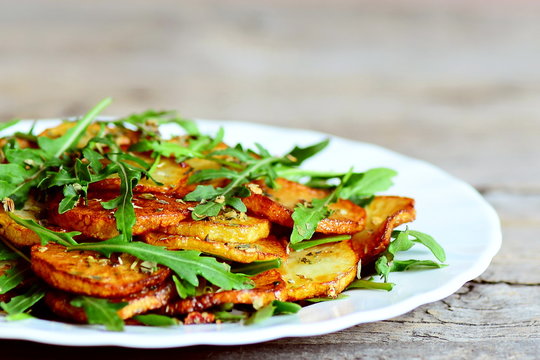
(276, 307)
(403, 241)
(254, 165)
(352, 186)
(13, 277)
(26, 168)
(101, 311)
(19, 304)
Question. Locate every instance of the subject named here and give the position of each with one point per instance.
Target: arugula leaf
(307, 217)
(9, 124)
(187, 264)
(184, 288)
(369, 284)
(323, 299)
(125, 212)
(403, 265)
(45, 234)
(308, 244)
(298, 155)
(21, 303)
(386, 263)
(101, 311)
(7, 253)
(257, 267)
(228, 316)
(156, 320)
(19, 317)
(366, 184)
(276, 307)
(55, 148)
(429, 242)
(12, 278)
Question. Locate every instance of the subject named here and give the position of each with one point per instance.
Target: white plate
(447, 208)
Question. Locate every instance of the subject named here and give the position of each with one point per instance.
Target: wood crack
(500, 282)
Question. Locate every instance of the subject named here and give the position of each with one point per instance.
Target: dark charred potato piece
(88, 273)
(264, 249)
(277, 205)
(384, 214)
(152, 212)
(269, 286)
(139, 303)
(242, 229)
(323, 270)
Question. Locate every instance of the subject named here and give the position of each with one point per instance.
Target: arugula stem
(14, 249)
(245, 174)
(30, 179)
(285, 172)
(82, 125)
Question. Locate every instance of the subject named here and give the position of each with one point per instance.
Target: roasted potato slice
(241, 229)
(323, 270)
(269, 286)
(384, 213)
(173, 175)
(138, 303)
(264, 249)
(16, 234)
(277, 205)
(123, 137)
(88, 273)
(152, 212)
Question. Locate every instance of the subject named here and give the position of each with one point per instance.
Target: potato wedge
(88, 273)
(323, 270)
(264, 249)
(269, 286)
(138, 303)
(16, 234)
(277, 205)
(152, 212)
(242, 230)
(384, 213)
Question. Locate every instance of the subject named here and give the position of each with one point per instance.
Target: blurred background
(463, 73)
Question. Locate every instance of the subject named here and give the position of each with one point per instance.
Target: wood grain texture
(456, 83)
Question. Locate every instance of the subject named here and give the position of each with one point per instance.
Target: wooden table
(456, 83)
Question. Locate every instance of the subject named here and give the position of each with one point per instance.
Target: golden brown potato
(123, 137)
(323, 270)
(88, 273)
(173, 175)
(384, 214)
(152, 212)
(17, 234)
(240, 229)
(264, 249)
(150, 299)
(277, 205)
(269, 286)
